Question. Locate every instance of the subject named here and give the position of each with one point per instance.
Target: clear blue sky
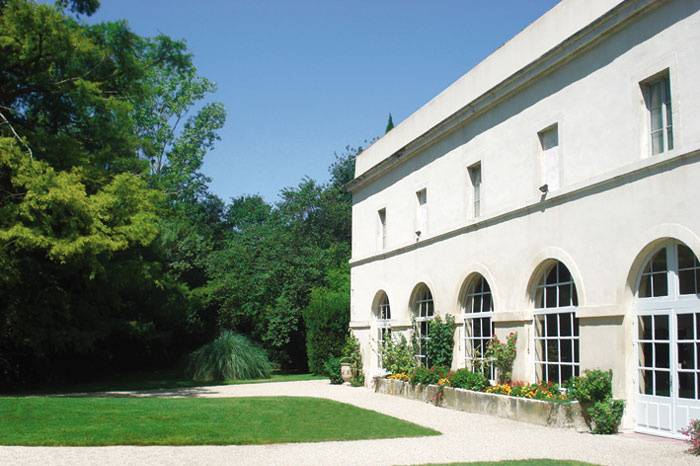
(302, 79)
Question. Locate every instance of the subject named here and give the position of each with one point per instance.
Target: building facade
(551, 191)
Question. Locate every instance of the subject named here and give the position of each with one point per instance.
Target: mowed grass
(157, 380)
(92, 421)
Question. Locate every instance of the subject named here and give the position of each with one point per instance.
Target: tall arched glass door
(668, 341)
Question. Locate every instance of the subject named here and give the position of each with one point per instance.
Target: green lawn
(84, 421)
(157, 380)
(530, 462)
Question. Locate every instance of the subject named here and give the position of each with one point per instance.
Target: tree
(389, 125)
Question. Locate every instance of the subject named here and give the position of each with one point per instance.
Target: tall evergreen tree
(389, 125)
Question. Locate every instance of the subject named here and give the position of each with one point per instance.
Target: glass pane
(686, 258)
(476, 304)
(663, 383)
(551, 276)
(576, 358)
(669, 136)
(645, 287)
(646, 384)
(660, 283)
(477, 328)
(657, 142)
(565, 324)
(686, 385)
(658, 262)
(645, 327)
(645, 356)
(539, 325)
(662, 355)
(655, 105)
(552, 351)
(487, 303)
(564, 274)
(661, 327)
(685, 326)
(566, 373)
(686, 356)
(539, 298)
(567, 354)
(553, 373)
(551, 297)
(551, 325)
(565, 295)
(686, 280)
(486, 327)
(575, 326)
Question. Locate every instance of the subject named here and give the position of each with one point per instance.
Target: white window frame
(421, 212)
(663, 81)
(475, 176)
(544, 314)
(423, 313)
(383, 320)
(672, 304)
(478, 289)
(381, 229)
(550, 157)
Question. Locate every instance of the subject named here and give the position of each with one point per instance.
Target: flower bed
(563, 414)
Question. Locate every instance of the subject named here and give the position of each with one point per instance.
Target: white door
(668, 342)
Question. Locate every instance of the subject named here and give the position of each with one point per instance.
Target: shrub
(439, 347)
(593, 385)
(423, 375)
(594, 391)
(397, 356)
(352, 355)
(468, 380)
(693, 433)
(332, 369)
(229, 357)
(606, 415)
(503, 356)
(326, 319)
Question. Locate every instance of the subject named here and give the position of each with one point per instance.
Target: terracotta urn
(346, 372)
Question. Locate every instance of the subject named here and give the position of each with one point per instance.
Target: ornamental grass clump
(229, 357)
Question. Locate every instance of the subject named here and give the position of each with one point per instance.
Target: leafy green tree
(326, 319)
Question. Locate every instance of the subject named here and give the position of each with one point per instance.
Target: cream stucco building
(553, 191)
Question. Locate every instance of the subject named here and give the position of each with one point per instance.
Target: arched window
(556, 325)
(383, 319)
(423, 313)
(668, 338)
(478, 328)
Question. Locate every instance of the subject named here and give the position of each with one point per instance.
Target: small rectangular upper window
(549, 141)
(475, 176)
(657, 97)
(421, 212)
(381, 228)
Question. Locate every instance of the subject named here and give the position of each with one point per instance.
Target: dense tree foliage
(114, 254)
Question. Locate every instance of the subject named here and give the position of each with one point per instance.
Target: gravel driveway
(466, 437)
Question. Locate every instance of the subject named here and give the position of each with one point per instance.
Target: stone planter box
(544, 413)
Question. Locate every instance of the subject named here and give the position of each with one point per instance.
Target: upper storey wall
(553, 27)
(596, 101)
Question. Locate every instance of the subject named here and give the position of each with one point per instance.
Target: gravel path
(466, 437)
